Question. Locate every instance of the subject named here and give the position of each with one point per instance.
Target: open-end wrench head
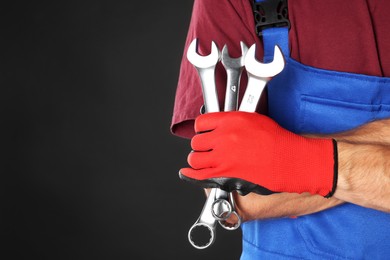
(264, 70)
(244, 49)
(200, 61)
(230, 62)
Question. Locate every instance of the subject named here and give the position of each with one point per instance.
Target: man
(326, 133)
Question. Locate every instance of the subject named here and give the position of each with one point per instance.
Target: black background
(89, 166)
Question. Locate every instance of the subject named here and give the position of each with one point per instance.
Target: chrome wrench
(219, 203)
(205, 222)
(234, 68)
(205, 66)
(258, 75)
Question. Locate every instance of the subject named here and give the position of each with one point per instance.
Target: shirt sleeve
(224, 22)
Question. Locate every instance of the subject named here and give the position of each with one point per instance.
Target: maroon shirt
(347, 36)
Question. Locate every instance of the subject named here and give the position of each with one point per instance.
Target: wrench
(205, 66)
(205, 222)
(234, 68)
(258, 76)
(219, 203)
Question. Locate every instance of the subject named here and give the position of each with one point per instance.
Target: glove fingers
(208, 122)
(201, 160)
(202, 142)
(191, 173)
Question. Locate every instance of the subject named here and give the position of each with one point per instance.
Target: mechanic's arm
(364, 165)
(254, 206)
(363, 171)
(375, 134)
(364, 175)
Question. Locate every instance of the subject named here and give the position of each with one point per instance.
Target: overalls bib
(304, 99)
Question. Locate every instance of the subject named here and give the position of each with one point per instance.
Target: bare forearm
(364, 165)
(254, 206)
(364, 175)
(377, 132)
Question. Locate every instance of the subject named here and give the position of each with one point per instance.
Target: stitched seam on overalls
(345, 103)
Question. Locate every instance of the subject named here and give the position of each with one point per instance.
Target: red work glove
(249, 152)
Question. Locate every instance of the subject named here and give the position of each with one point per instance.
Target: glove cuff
(310, 165)
(335, 169)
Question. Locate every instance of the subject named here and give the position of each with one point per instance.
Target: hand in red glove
(249, 152)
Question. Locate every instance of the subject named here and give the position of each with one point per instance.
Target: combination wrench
(258, 75)
(233, 68)
(219, 203)
(207, 221)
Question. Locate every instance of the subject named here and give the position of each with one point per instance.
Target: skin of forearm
(364, 165)
(254, 206)
(376, 132)
(364, 175)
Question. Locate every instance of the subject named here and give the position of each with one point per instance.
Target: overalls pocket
(323, 115)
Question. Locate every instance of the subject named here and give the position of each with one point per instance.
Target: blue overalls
(304, 99)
